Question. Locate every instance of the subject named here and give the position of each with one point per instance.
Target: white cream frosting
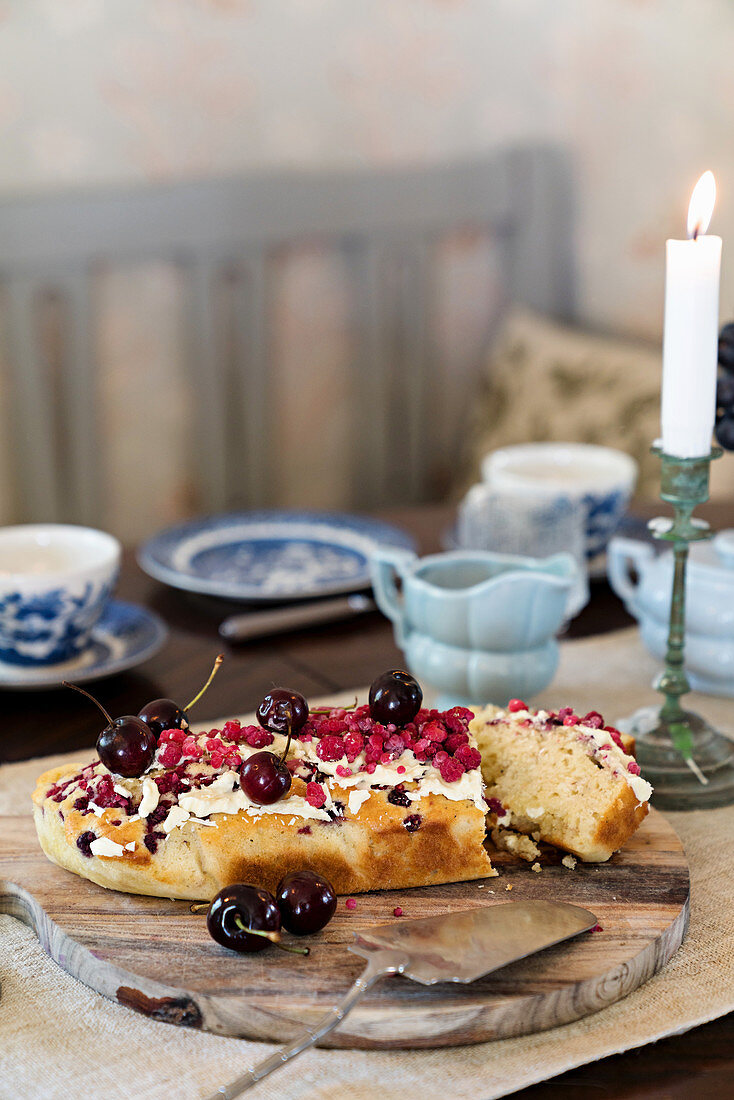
(220, 798)
(177, 815)
(641, 789)
(355, 800)
(103, 846)
(469, 788)
(295, 805)
(150, 798)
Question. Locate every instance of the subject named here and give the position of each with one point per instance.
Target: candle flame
(702, 205)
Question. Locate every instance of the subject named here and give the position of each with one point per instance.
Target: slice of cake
(560, 778)
(370, 806)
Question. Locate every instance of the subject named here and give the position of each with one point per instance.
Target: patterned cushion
(545, 381)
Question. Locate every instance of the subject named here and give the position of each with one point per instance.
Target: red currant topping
(395, 697)
(306, 900)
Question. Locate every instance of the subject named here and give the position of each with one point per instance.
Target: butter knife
(261, 624)
(455, 947)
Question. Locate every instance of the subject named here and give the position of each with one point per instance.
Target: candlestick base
(703, 781)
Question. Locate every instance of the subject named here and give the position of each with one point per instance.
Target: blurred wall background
(96, 93)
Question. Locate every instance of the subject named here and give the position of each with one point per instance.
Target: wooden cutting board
(155, 956)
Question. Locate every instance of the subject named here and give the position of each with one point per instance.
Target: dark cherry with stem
(395, 697)
(282, 711)
(126, 746)
(245, 919)
(164, 714)
(264, 777)
(306, 900)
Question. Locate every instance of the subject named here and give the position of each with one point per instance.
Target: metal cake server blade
(455, 947)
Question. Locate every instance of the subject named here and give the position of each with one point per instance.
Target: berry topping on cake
(315, 783)
(395, 697)
(265, 778)
(282, 711)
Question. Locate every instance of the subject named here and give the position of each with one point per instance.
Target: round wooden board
(156, 956)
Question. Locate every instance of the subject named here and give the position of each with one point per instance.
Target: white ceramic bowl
(600, 476)
(54, 582)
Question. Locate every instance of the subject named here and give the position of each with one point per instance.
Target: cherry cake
(380, 796)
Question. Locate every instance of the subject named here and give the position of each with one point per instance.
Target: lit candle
(690, 338)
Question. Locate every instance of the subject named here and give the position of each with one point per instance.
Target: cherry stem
(288, 742)
(199, 906)
(328, 710)
(274, 937)
(66, 684)
(212, 674)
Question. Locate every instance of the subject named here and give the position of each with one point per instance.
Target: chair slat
(32, 404)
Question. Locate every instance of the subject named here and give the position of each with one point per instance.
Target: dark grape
(264, 778)
(281, 710)
(306, 901)
(726, 347)
(725, 392)
(395, 697)
(163, 714)
(724, 432)
(254, 908)
(127, 746)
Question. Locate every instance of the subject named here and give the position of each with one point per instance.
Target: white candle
(690, 341)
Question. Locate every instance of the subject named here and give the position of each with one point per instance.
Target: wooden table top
(695, 1066)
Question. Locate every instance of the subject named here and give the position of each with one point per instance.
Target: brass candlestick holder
(688, 762)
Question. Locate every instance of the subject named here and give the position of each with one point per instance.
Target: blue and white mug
(55, 580)
(601, 477)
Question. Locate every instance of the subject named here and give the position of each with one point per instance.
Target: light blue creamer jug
(476, 626)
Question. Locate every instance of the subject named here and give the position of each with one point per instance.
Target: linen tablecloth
(60, 1039)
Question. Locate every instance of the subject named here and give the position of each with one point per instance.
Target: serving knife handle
(379, 963)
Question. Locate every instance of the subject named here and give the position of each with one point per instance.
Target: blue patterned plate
(269, 556)
(125, 636)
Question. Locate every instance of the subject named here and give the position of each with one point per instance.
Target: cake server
(455, 947)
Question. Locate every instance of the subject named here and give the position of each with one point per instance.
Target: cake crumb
(517, 843)
(509, 886)
(569, 861)
(537, 868)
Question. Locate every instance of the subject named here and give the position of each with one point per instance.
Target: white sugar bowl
(709, 642)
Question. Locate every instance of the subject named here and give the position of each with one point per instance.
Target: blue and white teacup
(601, 477)
(55, 580)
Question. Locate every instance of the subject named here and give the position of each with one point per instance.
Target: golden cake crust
(367, 850)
